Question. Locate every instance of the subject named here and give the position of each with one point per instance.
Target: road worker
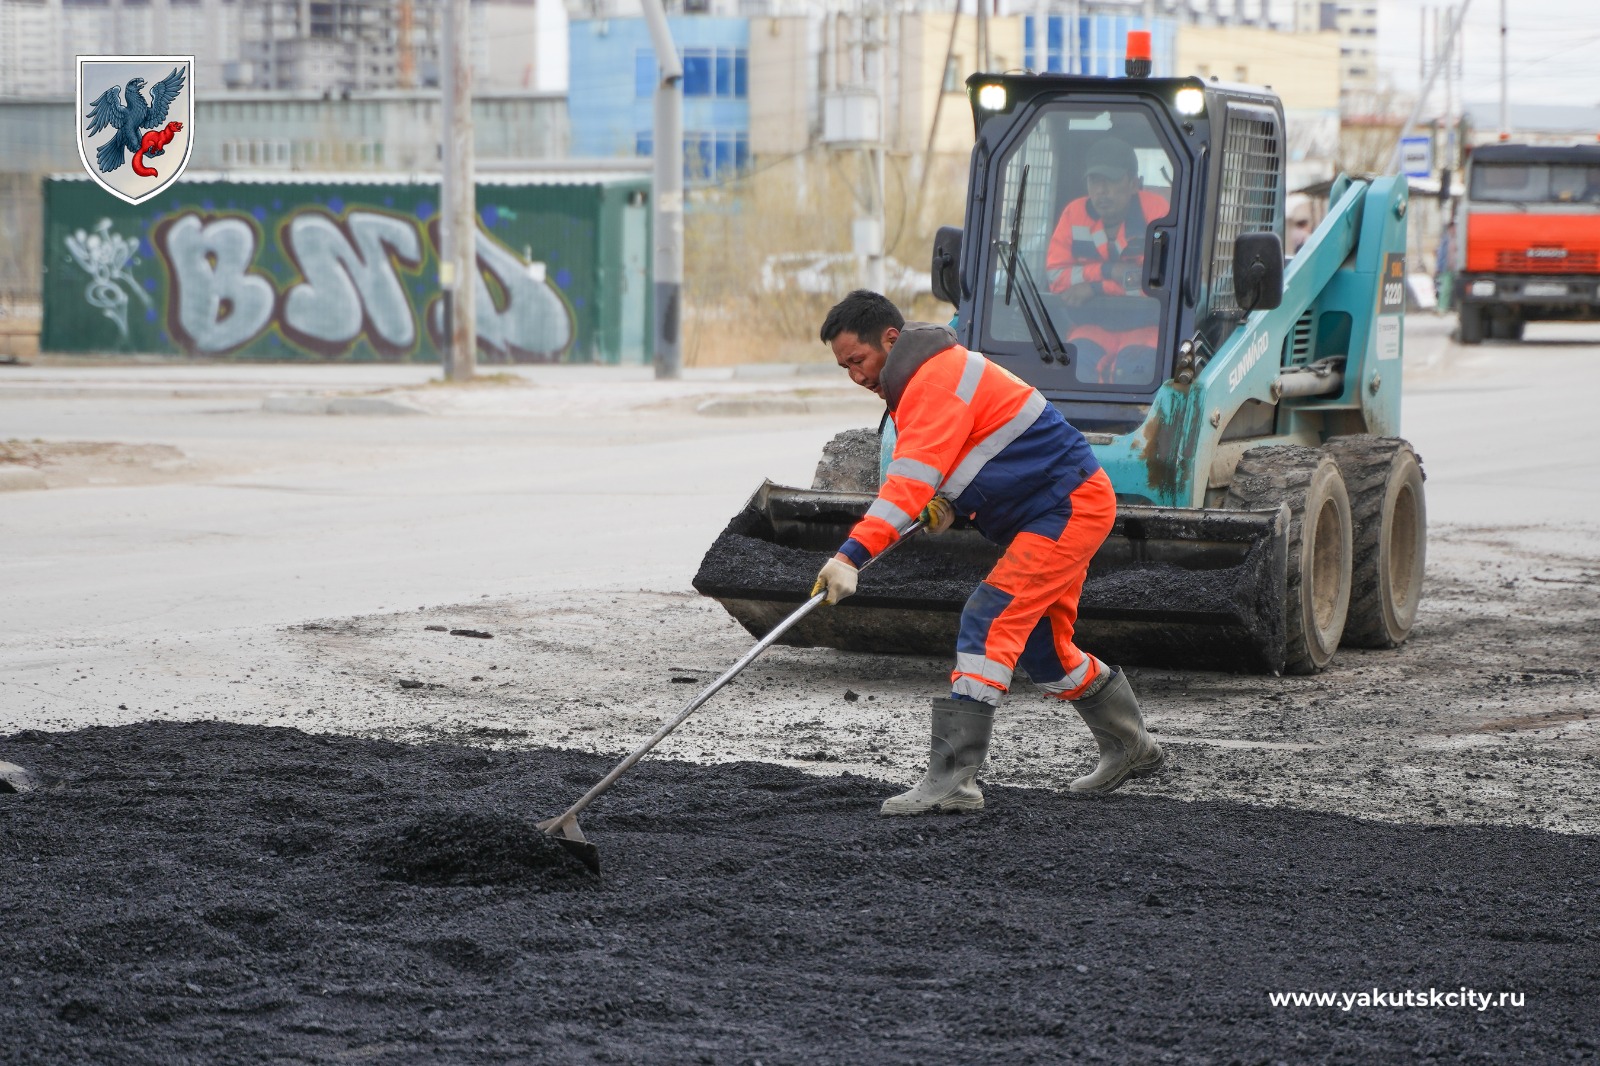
(1097, 250)
(974, 440)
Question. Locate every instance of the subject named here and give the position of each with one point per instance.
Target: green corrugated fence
(336, 270)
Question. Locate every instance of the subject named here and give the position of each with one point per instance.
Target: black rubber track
(1263, 478)
(1365, 461)
(207, 893)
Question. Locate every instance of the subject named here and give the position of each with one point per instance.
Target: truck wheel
(1506, 327)
(849, 462)
(1390, 514)
(1469, 324)
(1318, 593)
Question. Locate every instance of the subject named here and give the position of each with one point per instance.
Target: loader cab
(1100, 227)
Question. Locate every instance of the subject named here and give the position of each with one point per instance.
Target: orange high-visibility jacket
(973, 432)
(1081, 252)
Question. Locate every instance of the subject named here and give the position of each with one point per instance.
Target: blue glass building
(1101, 44)
(611, 98)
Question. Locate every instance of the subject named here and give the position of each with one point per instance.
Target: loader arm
(1185, 448)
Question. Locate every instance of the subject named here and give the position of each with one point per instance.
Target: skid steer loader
(1268, 510)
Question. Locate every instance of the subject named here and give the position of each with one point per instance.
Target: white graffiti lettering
(349, 288)
(1252, 356)
(218, 304)
(532, 323)
(106, 256)
(350, 284)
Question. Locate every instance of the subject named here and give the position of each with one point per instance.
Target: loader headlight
(1189, 101)
(1482, 287)
(992, 97)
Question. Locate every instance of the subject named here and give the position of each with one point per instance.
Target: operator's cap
(1110, 158)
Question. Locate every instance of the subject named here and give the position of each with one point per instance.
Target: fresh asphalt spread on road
(230, 893)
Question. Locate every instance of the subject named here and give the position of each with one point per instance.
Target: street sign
(1416, 157)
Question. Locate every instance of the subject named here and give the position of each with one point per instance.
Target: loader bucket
(1172, 587)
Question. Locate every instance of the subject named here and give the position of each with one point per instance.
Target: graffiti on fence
(349, 286)
(521, 316)
(345, 271)
(106, 256)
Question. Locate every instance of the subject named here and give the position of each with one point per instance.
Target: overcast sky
(1553, 53)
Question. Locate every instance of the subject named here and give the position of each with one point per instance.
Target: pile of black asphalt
(218, 893)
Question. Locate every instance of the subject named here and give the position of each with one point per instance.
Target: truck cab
(1528, 239)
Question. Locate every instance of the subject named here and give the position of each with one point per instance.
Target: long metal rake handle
(710, 690)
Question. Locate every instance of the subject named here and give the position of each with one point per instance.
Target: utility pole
(1505, 105)
(938, 106)
(984, 61)
(1449, 60)
(870, 240)
(854, 111)
(458, 210)
(1427, 87)
(667, 139)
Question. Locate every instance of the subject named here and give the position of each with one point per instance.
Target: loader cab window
(1081, 195)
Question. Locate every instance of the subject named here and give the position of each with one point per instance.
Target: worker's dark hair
(864, 313)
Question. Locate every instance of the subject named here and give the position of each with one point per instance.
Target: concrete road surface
(582, 478)
(587, 478)
(228, 559)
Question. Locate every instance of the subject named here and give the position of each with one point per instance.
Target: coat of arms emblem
(136, 116)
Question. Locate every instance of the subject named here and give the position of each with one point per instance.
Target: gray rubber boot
(961, 731)
(1126, 749)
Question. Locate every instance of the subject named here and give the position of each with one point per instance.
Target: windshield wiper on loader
(1029, 302)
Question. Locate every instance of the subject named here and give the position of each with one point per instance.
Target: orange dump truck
(1528, 239)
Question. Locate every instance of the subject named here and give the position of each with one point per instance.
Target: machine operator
(1098, 249)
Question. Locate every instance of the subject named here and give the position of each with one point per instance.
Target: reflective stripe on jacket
(970, 430)
(1081, 250)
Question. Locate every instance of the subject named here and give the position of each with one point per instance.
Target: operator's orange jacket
(1081, 252)
(973, 432)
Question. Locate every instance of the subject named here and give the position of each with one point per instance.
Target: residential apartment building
(326, 46)
(40, 39)
(389, 131)
(1356, 23)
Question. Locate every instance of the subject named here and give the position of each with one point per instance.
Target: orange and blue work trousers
(1024, 612)
(1102, 350)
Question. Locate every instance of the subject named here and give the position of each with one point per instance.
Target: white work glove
(837, 579)
(939, 515)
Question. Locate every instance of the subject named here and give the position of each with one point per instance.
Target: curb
(783, 404)
(21, 479)
(338, 405)
(775, 371)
